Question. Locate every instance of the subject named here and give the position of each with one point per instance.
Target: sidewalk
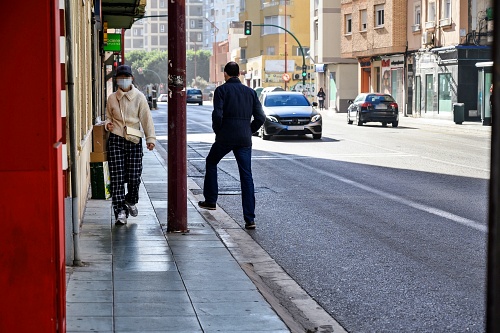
(137, 278)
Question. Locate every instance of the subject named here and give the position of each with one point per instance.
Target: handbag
(131, 134)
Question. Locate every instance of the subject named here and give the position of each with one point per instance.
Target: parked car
(258, 90)
(373, 107)
(163, 98)
(289, 113)
(194, 96)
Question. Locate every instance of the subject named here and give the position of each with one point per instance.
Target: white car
(289, 113)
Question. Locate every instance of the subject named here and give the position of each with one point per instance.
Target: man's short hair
(232, 69)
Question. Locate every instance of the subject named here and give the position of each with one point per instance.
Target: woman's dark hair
(232, 69)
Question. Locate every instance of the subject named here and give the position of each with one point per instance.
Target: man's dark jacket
(234, 106)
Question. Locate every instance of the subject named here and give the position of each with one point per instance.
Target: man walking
(234, 106)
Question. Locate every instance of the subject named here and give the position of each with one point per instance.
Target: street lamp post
(216, 30)
(195, 55)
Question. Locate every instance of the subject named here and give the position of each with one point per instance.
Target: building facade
(446, 40)
(270, 51)
(423, 52)
(337, 75)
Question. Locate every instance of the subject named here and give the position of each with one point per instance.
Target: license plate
(381, 107)
(295, 128)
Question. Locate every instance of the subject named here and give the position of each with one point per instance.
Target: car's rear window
(194, 91)
(286, 100)
(379, 98)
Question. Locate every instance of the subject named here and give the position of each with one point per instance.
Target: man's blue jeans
(243, 157)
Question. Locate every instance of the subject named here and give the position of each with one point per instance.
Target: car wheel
(201, 103)
(317, 136)
(395, 123)
(349, 121)
(358, 119)
(263, 134)
(384, 124)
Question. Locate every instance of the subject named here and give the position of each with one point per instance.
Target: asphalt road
(384, 227)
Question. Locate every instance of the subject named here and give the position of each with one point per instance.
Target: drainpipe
(72, 137)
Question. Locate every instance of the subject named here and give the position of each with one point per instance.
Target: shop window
(444, 92)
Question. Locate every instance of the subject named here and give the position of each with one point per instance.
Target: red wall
(32, 271)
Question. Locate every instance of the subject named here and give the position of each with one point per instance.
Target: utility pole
(304, 67)
(216, 30)
(177, 165)
(493, 275)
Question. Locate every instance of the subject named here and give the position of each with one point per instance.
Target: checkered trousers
(125, 166)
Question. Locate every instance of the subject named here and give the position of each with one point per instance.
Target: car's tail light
(394, 105)
(366, 105)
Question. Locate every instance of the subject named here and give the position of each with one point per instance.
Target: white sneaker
(132, 209)
(122, 218)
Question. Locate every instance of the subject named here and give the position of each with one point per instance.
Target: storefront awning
(121, 14)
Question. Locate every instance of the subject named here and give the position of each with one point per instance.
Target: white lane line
(428, 209)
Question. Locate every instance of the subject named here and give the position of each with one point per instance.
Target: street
(385, 227)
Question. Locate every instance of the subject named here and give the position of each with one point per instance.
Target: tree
(154, 65)
(199, 60)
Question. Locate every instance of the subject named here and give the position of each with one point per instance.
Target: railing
(277, 3)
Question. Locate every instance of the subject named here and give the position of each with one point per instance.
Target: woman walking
(127, 109)
(321, 98)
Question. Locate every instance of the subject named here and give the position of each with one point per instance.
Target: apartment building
(446, 41)
(428, 54)
(151, 32)
(270, 51)
(374, 32)
(337, 75)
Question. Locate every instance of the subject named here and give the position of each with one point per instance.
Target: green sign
(114, 43)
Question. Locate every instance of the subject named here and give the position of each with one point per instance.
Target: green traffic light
(304, 74)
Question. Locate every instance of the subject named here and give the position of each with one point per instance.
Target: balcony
(272, 3)
(446, 22)
(415, 28)
(430, 25)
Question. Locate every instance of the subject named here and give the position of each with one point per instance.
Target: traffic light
(304, 71)
(248, 28)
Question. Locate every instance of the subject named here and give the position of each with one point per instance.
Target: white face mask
(124, 83)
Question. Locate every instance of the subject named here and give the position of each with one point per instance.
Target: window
(198, 37)
(431, 12)
(270, 50)
(446, 12)
(444, 93)
(379, 16)
(162, 27)
(162, 3)
(200, 24)
(192, 24)
(418, 15)
(348, 24)
(417, 18)
(243, 53)
(135, 32)
(276, 20)
(363, 19)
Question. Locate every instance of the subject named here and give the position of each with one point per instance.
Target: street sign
(114, 43)
(286, 77)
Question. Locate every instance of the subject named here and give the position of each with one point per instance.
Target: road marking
(428, 209)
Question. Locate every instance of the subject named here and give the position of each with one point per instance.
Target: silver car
(289, 113)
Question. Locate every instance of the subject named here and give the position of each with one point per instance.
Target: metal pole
(73, 165)
(493, 277)
(300, 46)
(177, 165)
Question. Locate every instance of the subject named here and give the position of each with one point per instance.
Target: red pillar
(177, 164)
(32, 269)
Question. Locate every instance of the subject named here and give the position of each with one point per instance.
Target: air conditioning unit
(426, 38)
